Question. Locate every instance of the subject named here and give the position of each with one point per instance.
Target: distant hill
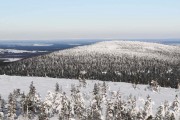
(127, 61)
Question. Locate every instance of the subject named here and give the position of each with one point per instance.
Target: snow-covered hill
(126, 61)
(129, 48)
(43, 85)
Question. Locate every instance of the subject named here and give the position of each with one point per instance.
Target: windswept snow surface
(130, 48)
(45, 84)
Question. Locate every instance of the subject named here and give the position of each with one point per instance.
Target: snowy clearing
(44, 84)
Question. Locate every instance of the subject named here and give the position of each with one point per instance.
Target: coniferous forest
(106, 67)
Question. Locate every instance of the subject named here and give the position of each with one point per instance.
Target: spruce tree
(43, 115)
(160, 113)
(96, 89)
(172, 117)
(2, 108)
(57, 89)
(176, 105)
(32, 102)
(11, 107)
(147, 108)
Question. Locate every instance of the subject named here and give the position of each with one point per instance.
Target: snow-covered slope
(130, 48)
(43, 85)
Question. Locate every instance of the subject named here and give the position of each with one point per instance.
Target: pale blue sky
(116, 19)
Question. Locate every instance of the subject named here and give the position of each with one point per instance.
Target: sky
(89, 19)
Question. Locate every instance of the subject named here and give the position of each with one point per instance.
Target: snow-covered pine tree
(147, 108)
(2, 105)
(167, 115)
(96, 89)
(57, 89)
(11, 107)
(160, 113)
(16, 93)
(172, 117)
(134, 85)
(49, 103)
(178, 86)
(123, 110)
(131, 106)
(32, 102)
(78, 105)
(2, 108)
(22, 104)
(84, 82)
(1, 116)
(95, 113)
(117, 106)
(56, 102)
(154, 85)
(104, 88)
(43, 115)
(19, 100)
(110, 110)
(65, 112)
(95, 110)
(166, 106)
(176, 105)
(53, 101)
(140, 116)
(68, 110)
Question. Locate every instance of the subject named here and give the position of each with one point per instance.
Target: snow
(74, 44)
(45, 84)
(42, 45)
(14, 51)
(10, 59)
(130, 48)
(3, 51)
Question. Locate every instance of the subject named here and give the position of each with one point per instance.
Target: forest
(106, 67)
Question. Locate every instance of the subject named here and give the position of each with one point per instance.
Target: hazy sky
(117, 19)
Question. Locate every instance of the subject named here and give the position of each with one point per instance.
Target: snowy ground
(5, 51)
(43, 85)
(10, 59)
